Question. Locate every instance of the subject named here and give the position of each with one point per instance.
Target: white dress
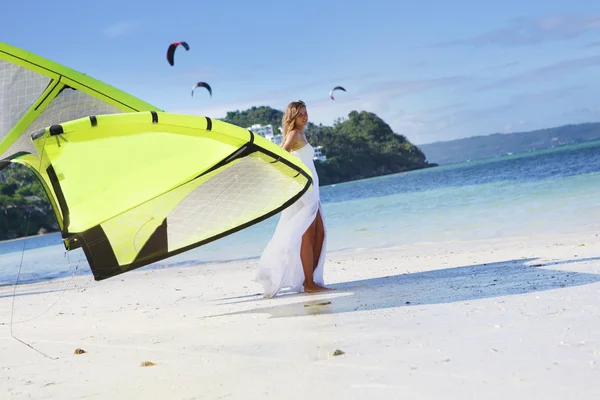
(280, 264)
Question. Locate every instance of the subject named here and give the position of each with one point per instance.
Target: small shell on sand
(79, 351)
(147, 364)
(337, 352)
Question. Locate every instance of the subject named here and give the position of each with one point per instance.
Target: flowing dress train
(280, 264)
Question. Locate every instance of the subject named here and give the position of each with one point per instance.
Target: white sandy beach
(495, 319)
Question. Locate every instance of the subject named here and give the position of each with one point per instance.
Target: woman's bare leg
(307, 256)
(319, 238)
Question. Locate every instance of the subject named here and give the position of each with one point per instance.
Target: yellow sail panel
(36, 92)
(145, 219)
(138, 187)
(111, 156)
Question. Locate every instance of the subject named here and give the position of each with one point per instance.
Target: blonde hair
(288, 122)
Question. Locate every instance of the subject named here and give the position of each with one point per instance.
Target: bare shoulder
(290, 140)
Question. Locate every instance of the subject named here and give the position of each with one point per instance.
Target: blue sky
(434, 70)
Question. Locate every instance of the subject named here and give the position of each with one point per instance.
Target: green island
(502, 144)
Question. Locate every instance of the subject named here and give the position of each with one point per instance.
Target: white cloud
(443, 123)
(592, 45)
(322, 110)
(377, 98)
(514, 126)
(533, 31)
(584, 112)
(121, 28)
(554, 70)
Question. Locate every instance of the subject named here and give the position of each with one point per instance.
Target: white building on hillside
(319, 156)
(266, 131)
(262, 130)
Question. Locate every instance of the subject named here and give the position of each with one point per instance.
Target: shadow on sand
(432, 287)
(35, 292)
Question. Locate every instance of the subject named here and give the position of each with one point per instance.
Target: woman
(296, 254)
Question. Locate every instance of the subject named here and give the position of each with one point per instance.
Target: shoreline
(400, 248)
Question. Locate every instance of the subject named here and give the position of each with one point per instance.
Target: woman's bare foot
(313, 288)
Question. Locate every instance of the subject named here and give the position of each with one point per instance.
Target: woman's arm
(290, 140)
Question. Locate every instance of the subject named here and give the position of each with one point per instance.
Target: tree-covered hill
(500, 144)
(256, 115)
(24, 206)
(359, 146)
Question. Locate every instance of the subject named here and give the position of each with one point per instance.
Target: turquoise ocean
(549, 191)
